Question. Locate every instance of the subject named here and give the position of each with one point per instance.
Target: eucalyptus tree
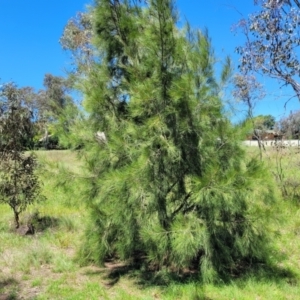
(52, 104)
(169, 182)
(272, 42)
(77, 38)
(19, 184)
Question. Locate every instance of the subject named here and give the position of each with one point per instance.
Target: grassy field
(43, 266)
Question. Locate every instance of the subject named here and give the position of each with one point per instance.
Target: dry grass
(284, 164)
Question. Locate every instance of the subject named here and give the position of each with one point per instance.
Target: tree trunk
(17, 222)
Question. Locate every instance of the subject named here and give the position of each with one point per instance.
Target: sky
(30, 32)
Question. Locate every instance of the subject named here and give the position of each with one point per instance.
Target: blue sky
(30, 32)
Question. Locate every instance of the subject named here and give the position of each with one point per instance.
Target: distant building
(265, 135)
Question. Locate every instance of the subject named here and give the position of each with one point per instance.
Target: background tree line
(48, 108)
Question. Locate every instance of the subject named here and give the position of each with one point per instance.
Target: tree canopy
(272, 42)
(264, 122)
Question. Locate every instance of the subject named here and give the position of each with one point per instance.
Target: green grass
(43, 266)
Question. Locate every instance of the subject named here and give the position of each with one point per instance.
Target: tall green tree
(169, 181)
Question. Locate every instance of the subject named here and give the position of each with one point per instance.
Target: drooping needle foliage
(170, 182)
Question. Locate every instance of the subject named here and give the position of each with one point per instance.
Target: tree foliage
(264, 122)
(290, 125)
(19, 185)
(50, 108)
(272, 42)
(54, 105)
(76, 38)
(170, 182)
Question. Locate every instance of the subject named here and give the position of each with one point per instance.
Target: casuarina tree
(170, 184)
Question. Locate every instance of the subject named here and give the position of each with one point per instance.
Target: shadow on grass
(148, 278)
(8, 289)
(113, 272)
(42, 223)
(34, 223)
(265, 273)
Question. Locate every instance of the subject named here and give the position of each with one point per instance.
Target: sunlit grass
(45, 262)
